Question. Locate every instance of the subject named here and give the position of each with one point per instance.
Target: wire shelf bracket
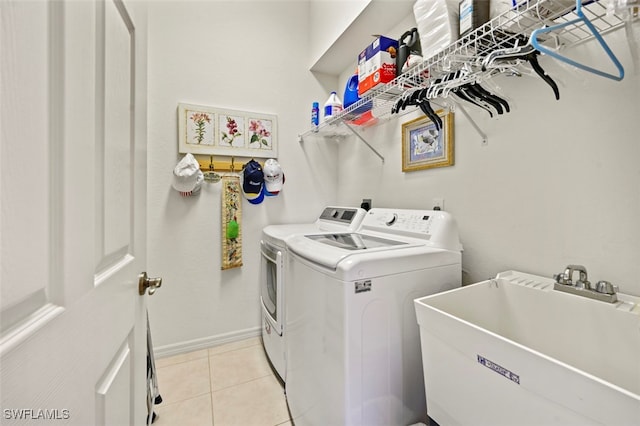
(485, 140)
(348, 126)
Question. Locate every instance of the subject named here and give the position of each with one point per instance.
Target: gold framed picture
(426, 147)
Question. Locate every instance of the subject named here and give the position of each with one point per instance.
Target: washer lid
(278, 234)
(354, 241)
(329, 250)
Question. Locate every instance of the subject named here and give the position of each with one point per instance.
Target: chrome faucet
(566, 278)
(604, 291)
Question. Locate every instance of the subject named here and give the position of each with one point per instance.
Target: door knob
(144, 283)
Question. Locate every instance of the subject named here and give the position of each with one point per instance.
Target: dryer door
(271, 276)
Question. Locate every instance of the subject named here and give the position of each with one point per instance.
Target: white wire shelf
(510, 26)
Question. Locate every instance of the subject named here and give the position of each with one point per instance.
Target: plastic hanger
(402, 102)
(514, 50)
(464, 85)
(498, 103)
(514, 47)
(443, 85)
(581, 18)
(462, 95)
(477, 99)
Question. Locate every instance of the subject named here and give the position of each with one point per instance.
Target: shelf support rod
(473, 123)
(348, 126)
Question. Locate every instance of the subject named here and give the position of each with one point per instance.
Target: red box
(377, 64)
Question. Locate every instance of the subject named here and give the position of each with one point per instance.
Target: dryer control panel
(343, 215)
(437, 227)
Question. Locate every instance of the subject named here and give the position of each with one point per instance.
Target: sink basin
(511, 350)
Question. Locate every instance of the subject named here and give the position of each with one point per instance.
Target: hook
(210, 175)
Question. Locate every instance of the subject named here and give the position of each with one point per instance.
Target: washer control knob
(334, 214)
(391, 219)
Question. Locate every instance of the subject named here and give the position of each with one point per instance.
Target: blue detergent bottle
(351, 95)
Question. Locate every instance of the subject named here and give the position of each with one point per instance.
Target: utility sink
(511, 350)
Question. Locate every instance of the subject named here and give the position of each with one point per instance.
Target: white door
(72, 212)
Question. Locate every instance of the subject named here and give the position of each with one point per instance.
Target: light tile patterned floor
(231, 384)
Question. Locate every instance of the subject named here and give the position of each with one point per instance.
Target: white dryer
(353, 343)
(272, 273)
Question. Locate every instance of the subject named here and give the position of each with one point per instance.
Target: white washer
(272, 273)
(353, 342)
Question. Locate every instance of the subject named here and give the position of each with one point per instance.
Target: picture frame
(226, 132)
(424, 147)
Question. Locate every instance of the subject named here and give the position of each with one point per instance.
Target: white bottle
(332, 107)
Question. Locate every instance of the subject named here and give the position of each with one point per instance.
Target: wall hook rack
(208, 164)
(211, 168)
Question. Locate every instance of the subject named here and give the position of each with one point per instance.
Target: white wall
(340, 29)
(558, 182)
(328, 19)
(249, 56)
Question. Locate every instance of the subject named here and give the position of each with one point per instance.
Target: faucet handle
(562, 278)
(606, 287)
(583, 284)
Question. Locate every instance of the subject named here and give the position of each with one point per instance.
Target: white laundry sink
(512, 350)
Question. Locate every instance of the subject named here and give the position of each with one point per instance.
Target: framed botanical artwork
(217, 131)
(260, 132)
(424, 146)
(199, 129)
(231, 130)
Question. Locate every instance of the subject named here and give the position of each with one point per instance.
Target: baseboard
(205, 342)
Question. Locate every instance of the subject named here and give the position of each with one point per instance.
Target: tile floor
(231, 384)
